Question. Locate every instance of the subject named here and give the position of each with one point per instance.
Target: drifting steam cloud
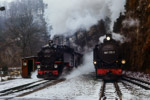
(115, 36)
(86, 68)
(68, 16)
(130, 22)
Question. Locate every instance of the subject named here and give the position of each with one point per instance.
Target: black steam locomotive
(54, 59)
(108, 60)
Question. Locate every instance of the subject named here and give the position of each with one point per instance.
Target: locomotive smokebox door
(28, 66)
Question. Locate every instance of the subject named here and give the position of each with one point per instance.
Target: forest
(23, 31)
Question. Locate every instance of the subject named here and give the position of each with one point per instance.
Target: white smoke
(68, 16)
(86, 68)
(130, 22)
(118, 37)
(101, 39)
(115, 36)
(34, 75)
(116, 7)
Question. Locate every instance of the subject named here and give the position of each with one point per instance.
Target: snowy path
(81, 87)
(78, 88)
(136, 92)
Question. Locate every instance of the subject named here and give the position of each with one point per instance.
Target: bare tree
(25, 31)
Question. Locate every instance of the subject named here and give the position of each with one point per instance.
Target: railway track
(21, 87)
(110, 91)
(102, 90)
(143, 84)
(26, 89)
(42, 87)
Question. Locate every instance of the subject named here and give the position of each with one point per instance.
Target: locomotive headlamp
(107, 38)
(95, 62)
(38, 66)
(123, 61)
(55, 66)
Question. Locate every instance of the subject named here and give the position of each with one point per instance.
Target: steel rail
(118, 90)
(17, 87)
(21, 88)
(137, 80)
(42, 87)
(138, 84)
(102, 90)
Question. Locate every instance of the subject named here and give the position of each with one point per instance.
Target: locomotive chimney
(109, 35)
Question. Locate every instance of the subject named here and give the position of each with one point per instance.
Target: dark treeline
(135, 26)
(23, 31)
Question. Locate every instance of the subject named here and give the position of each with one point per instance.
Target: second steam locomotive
(108, 60)
(54, 59)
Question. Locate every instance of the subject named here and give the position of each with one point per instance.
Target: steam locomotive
(108, 59)
(54, 59)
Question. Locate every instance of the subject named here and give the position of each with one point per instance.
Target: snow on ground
(77, 88)
(126, 93)
(13, 83)
(137, 93)
(6, 78)
(18, 81)
(110, 91)
(138, 75)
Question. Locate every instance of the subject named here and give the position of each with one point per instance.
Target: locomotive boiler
(54, 59)
(108, 59)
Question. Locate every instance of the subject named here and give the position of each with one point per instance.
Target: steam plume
(86, 68)
(115, 36)
(68, 16)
